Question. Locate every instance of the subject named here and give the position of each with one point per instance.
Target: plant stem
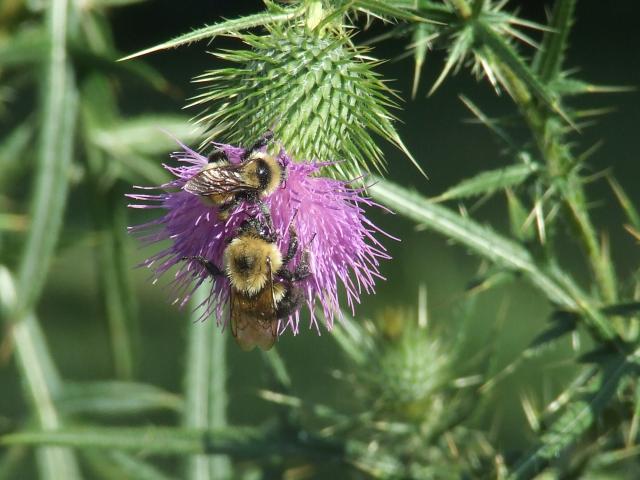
(42, 382)
(205, 387)
(548, 135)
(55, 151)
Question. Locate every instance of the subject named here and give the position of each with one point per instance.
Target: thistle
(318, 92)
(327, 214)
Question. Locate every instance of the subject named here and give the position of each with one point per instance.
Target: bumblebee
(224, 184)
(263, 289)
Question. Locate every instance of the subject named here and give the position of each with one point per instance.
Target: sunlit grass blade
(113, 271)
(205, 388)
(224, 28)
(578, 417)
(55, 151)
(12, 149)
(168, 441)
(278, 369)
(10, 460)
(41, 380)
(489, 182)
(117, 465)
(549, 58)
(111, 398)
(146, 134)
(27, 46)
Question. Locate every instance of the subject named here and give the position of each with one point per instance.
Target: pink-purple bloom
(327, 214)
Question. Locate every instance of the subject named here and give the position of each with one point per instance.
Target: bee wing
(218, 179)
(253, 319)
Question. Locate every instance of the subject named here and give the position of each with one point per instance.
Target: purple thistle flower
(327, 214)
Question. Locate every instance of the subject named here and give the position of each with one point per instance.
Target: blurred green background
(604, 47)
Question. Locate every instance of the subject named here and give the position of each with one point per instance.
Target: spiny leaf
(114, 398)
(224, 28)
(549, 58)
(577, 418)
(489, 181)
(384, 9)
(622, 309)
(633, 216)
(481, 240)
(507, 54)
(420, 44)
(562, 324)
(520, 228)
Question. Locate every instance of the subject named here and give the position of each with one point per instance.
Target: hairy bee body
(263, 291)
(224, 184)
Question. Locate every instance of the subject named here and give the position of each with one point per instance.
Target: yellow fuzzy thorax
(249, 172)
(246, 261)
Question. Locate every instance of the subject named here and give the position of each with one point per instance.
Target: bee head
(250, 262)
(265, 171)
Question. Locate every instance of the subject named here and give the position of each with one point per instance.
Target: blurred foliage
(408, 396)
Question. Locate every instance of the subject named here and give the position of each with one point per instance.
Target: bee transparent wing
(252, 320)
(218, 179)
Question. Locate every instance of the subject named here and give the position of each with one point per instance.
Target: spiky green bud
(317, 91)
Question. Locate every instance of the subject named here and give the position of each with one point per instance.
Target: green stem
(205, 387)
(492, 246)
(113, 272)
(220, 465)
(548, 135)
(42, 382)
(55, 151)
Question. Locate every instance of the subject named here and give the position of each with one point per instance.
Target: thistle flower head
(327, 215)
(320, 90)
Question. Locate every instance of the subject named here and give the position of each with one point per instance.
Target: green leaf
(489, 181)
(28, 46)
(144, 135)
(114, 398)
(41, 380)
(237, 441)
(621, 309)
(55, 151)
(633, 216)
(508, 55)
(420, 44)
(558, 287)
(549, 58)
(224, 28)
(116, 465)
(577, 418)
(384, 9)
(518, 216)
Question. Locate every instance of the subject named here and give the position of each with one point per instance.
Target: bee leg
(292, 249)
(209, 265)
(261, 142)
(266, 228)
(224, 209)
(217, 155)
(290, 303)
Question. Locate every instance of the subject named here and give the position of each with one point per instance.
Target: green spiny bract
(317, 92)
